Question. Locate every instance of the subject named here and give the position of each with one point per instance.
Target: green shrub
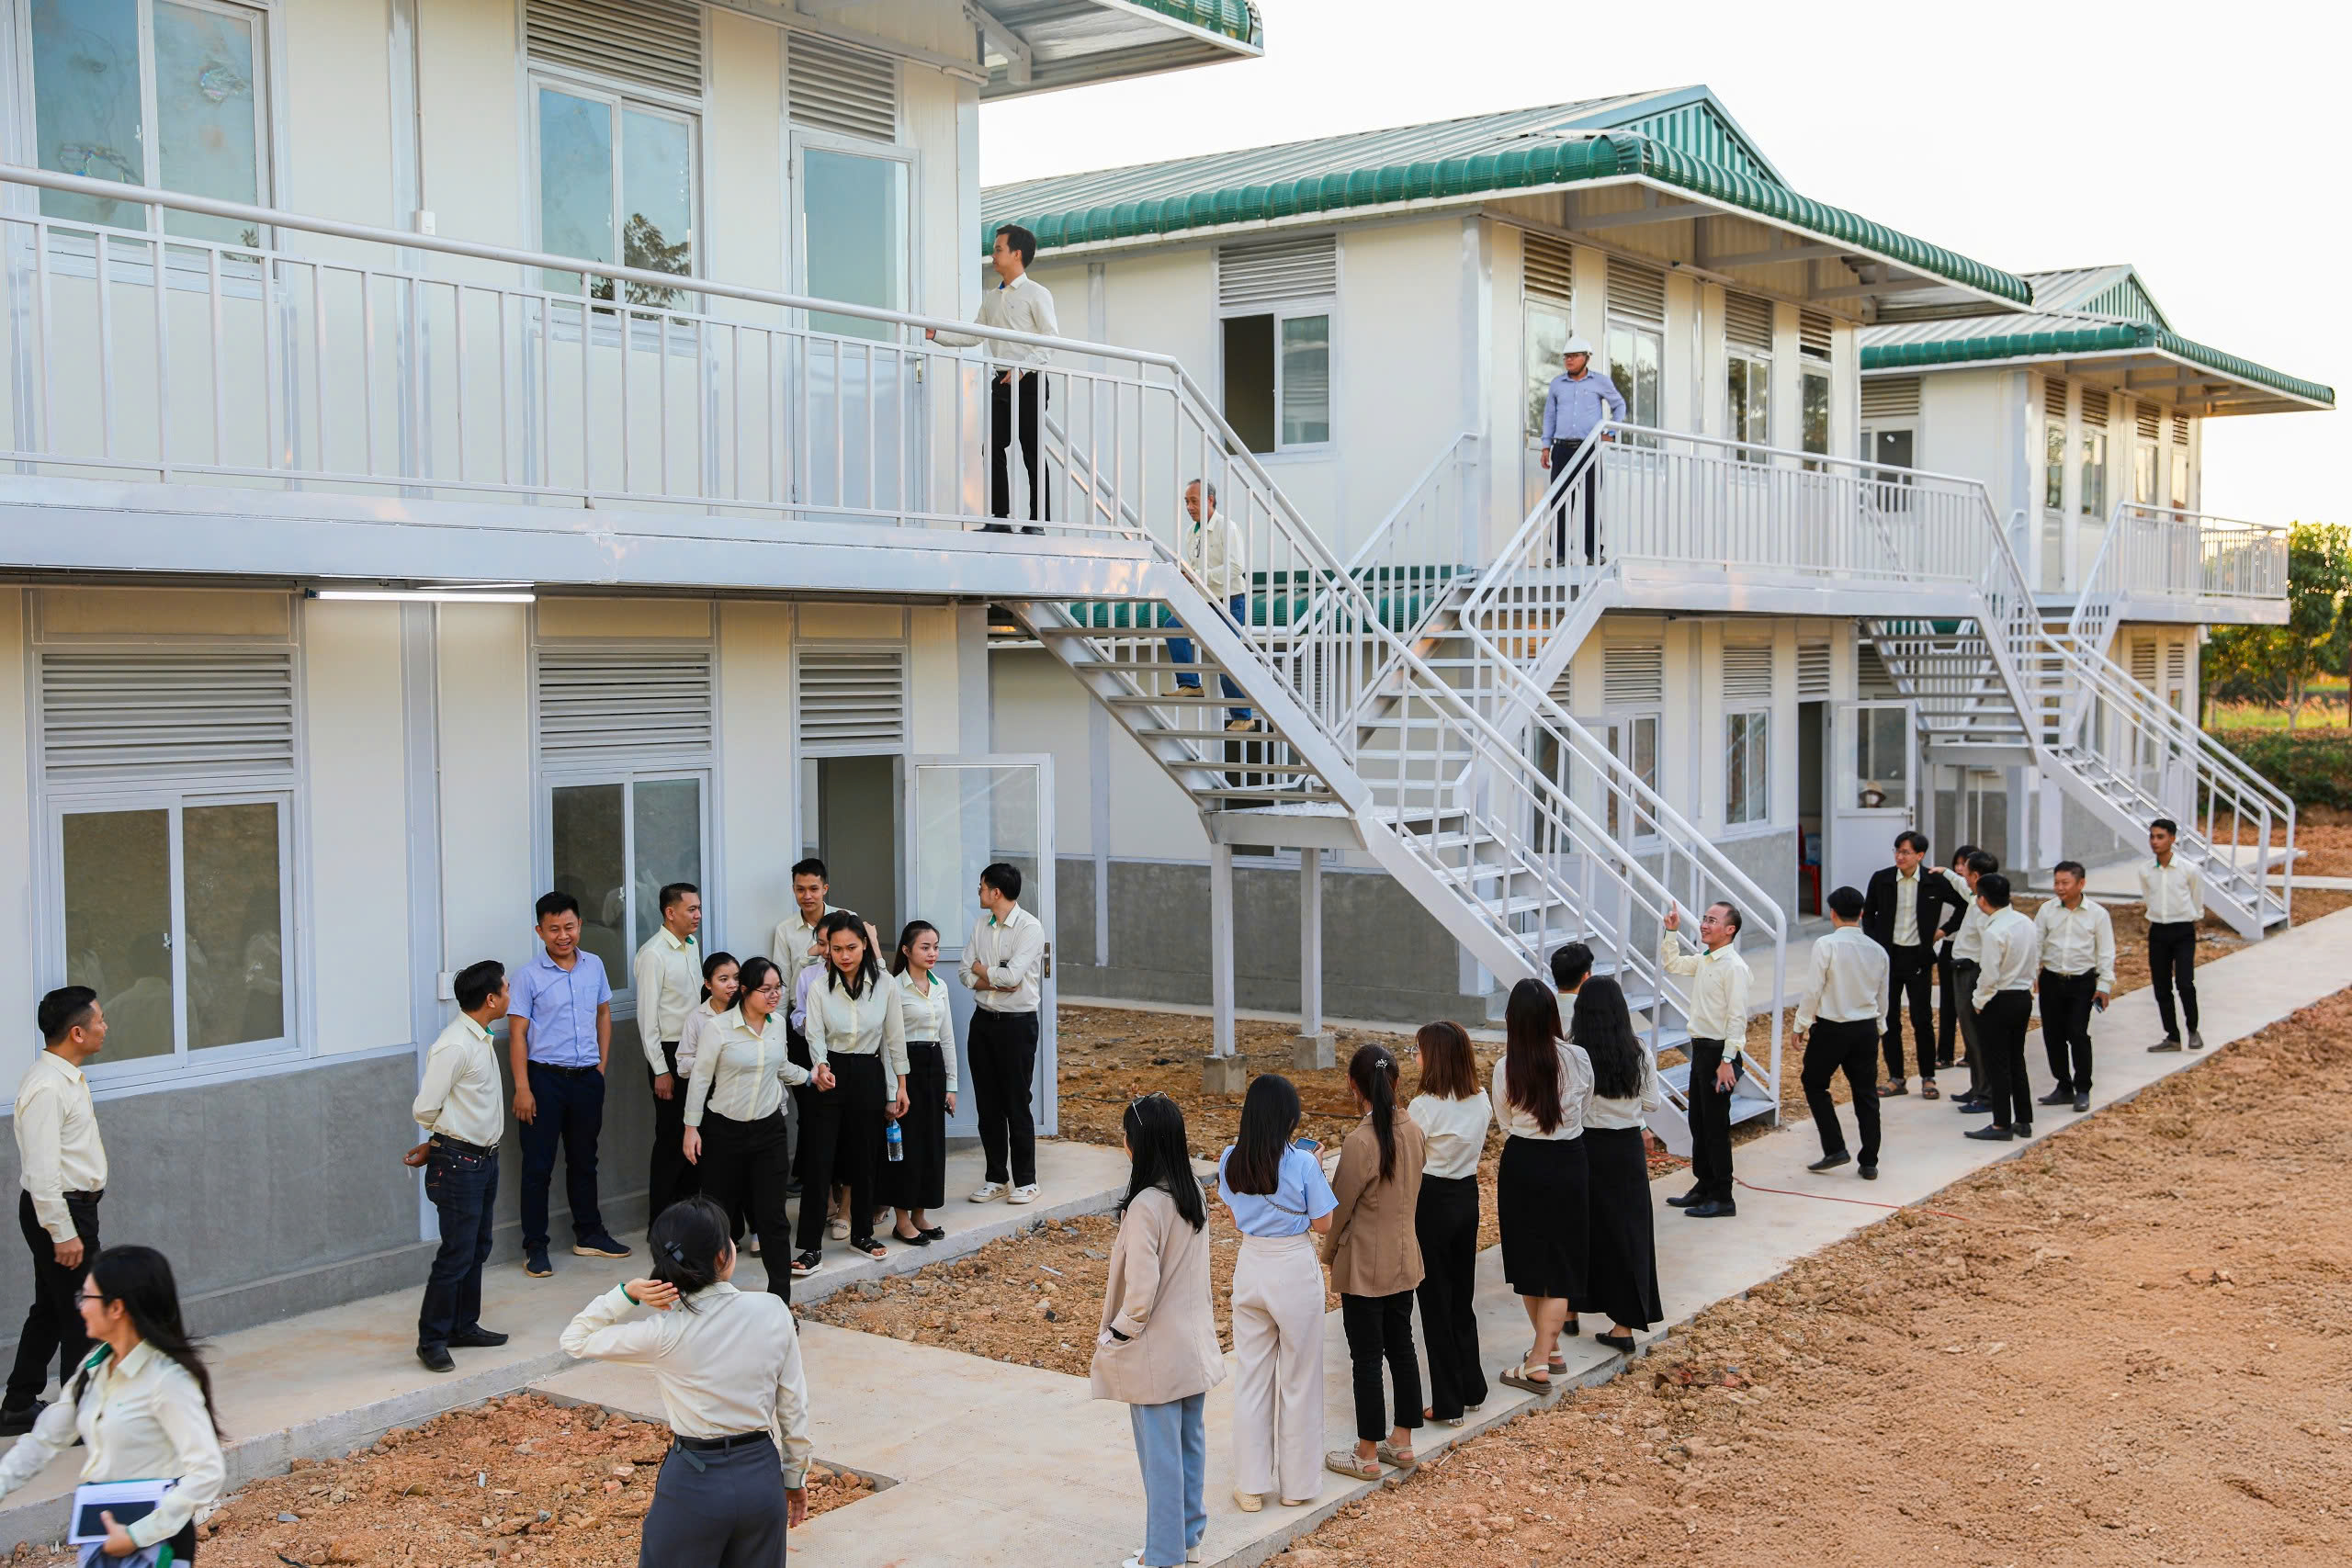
(2315, 767)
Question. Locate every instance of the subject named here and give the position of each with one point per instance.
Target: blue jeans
(463, 1188)
(571, 1111)
(1179, 652)
(1173, 1447)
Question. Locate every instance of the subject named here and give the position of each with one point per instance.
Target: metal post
(1314, 1046)
(1221, 1071)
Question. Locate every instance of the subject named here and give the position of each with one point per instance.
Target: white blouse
(740, 1072)
(929, 1017)
(874, 1025)
(1453, 1134)
(1576, 1097)
(690, 1036)
(141, 1420)
(1634, 1110)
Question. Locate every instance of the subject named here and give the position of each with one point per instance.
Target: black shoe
(477, 1339)
(2169, 1042)
(1889, 1091)
(1944, 1059)
(792, 1189)
(2057, 1097)
(2196, 1041)
(921, 1238)
(535, 1263)
(1868, 1173)
(1976, 1108)
(1688, 1200)
(599, 1245)
(1621, 1343)
(1713, 1208)
(1831, 1162)
(2083, 1101)
(435, 1358)
(1989, 1134)
(16, 1423)
(2022, 1129)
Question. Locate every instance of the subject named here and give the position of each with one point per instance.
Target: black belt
(92, 1197)
(719, 1444)
(574, 1072)
(463, 1147)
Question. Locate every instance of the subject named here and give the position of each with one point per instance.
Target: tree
(2276, 664)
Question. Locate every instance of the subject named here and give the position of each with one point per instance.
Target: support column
(1221, 1072)
(1313, 1047)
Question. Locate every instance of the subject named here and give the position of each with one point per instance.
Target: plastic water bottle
(894, 1144)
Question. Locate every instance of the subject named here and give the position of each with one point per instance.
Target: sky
(2195, 143)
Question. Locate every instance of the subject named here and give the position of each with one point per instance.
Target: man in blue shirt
(558, 1031)
(1579, 400)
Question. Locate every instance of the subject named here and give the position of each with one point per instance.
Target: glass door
(1874, 793)
(856, 427)
(970, 812)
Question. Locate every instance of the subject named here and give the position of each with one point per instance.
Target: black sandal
(917, 1239)
(868, 1246)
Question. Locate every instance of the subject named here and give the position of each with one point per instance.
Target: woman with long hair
(1376, 1260)
(1157, 1348)
(1541, 1087)
(735, 1131)
(1620, 1275)
(1452, 1112)
(718, 987)
(140, 1406)
(728, 1364)
(916, 1183)
(1277, 1194)
(857, 1029)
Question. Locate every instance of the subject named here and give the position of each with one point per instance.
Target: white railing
(1427, 545)
(2156, 552)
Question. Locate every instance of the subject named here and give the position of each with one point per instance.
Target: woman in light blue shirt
(1280, 1202)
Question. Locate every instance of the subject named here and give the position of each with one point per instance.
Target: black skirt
(1539, 1204)
(918, 1180)
(1621, 1269)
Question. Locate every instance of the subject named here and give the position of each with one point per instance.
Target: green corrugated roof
(1505, 165)
(1236, 20)
(2104, 337)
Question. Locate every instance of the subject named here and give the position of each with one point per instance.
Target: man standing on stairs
(1900, 915)
(1718, 1025)
(2175, 903)
(2077, 975)
(1848, 996)
(1022, 304)
(1580, 400)
(1217, 553)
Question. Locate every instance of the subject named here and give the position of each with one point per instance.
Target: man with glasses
(1002, 965)
(64, 1170)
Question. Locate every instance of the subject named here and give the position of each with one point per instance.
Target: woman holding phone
(1280, 1201)
(856, 1028)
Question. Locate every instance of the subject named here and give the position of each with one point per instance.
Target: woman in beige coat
(1158, 1346)
(1375, 1258)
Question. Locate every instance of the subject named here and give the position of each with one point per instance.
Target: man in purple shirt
(560, 1029)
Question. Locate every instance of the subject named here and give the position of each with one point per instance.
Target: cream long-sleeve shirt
(728, 1362)
(1453, 1134)
(462, 1096)
(143, 1420)
(1576, 1099)
(58, 1150)
(874, 1025)
(929, 1017)
(1968, 941)
(1223, 559)
(1718, 979)
(690, 1036)
(1024, 305)
(794, 946)
(1849, 979)
(740, 1072)
(1013, 949)
(668, 976)
(2011, 959)
(2077, 940)
(1605, 1113)
(2172, 892)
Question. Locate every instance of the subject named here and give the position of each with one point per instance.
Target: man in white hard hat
(1580, 400)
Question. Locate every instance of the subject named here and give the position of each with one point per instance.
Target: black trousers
(1003, 1049)
(1034, 395)
(463, 1186)
(746, 1166)
(2172, 963)
(53, 1330)
(1445, 1221)
(1562, 452)
(1380, 1328)
(1947, 1007)
(1850, 1047)
(2001, 1028)
(812, 1159)
(1963, 984)
(1711, 1121)
(1910, 977)
(672, 1175)
(2067, 1006)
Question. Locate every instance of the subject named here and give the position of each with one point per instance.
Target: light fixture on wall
(443, 593)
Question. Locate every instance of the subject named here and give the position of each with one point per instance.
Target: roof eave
(2251, 396)
(1171, 44)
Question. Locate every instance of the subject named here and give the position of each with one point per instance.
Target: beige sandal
(1344, 1462)
(1389, 1453)
(1523, 1377)
(1248, 1502)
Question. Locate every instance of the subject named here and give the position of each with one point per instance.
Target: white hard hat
(1576, 346)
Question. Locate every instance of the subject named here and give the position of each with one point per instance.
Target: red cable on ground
(1864, 1202)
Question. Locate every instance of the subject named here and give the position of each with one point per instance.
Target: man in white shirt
(1717, 1020)
(1967, 950)
(1948, 993)
(2175, 903)
(1571, 967)
(1221, 557)
(461, 1108)
(1838, 1024)
(1002, 966)
(62, 1167)
(2011, 958)
(667, 977)
(1018, 303)
(2078, 975)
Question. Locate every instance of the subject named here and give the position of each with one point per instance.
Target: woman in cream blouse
(1540, 1088)
(718, 988)
(857, 1028)
(917, 1183)
(735, 1129)
(1620, 1270)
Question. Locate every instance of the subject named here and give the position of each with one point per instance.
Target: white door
(1873, 789)
(970, 812)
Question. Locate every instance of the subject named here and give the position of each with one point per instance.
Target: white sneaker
(988, 1193)
(1022, 1194)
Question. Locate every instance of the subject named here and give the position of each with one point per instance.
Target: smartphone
(2099, 1002)
(1307, 1146)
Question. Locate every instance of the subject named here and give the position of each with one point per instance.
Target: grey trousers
(722, 1509)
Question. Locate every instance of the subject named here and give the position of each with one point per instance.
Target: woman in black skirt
(1621, 1276)
(917, 1183)
(1540, 1088)
(856, 1028)
(1454, 1115)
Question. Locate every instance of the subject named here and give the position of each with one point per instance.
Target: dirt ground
(516, 1480)
(2129, 1345)
(2324, 834)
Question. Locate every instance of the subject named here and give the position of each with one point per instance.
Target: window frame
(1304, 308)
(589, 776)
(805, 139)
(1531, 369)
(1812, 372)
(2093, 442)
(1636, 328)
(2054, 447)
(620, 99)
(1757, 366)
(1749, 729)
